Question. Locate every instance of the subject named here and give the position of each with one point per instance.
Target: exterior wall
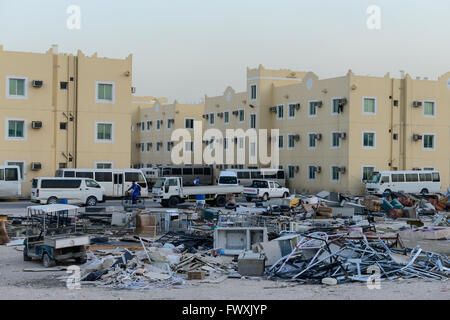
(76, 106)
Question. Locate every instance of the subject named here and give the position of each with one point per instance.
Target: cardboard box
(145, 220)
(146, 232)
(196, 275)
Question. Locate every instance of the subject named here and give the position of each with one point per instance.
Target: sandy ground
(16, 284)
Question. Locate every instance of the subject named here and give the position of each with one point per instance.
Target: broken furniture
(234, 240)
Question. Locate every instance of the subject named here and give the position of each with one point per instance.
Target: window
(243, 175)
(412, 177)
(169, 123)
(291, 172)
(158, 124)
(189, 123)
(169, 146)
(291, 141)
(335, 105)
(148, 125)
(253, 121)
(311, 140)
(335, 140)
(335, 173)
(312, 111)
(133, 176)
(280, 112)
(367, 172)
(103, 176)
(428, 141)
(89, 175)
(398, 177)
(241, 143)
(429, 108)
(292, 111)
(280, 142)
(63, 85)
(92, 184)
(425, 177)
(17, 88)
(252, 149)
(369, 140)
(105, 92)
(369, 105)
(211, 118)
(62, 165)
(104, 132)
(241, 115)
(69, 174)
(226, 117)
(187, 171)
(60, 184)
(225, 143)
(311, 172)
(436, 177)
(103, 165)
(158, 146)
(20, 164)
(253, 92)
(16, 129)
(63, 125)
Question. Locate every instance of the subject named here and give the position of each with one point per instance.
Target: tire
(424, 191)
(174, 202)
(91, 201)
(52, 200)
(221, 201)
(164, 204)
(265, 197)
(26, 257)
(47, 261)
(286, 195)
(387, 191)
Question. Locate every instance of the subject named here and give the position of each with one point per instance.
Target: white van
(75, 191)
(404, 181)
(228, 178)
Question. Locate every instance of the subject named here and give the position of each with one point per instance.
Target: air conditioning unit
(319, 136)
(273, 109)
(297, 169)
(318, 104)
(220, 114)
(342, 102)
(138, 145)
(343, 135)
(297, 106)
(36, 124)
(151, 123)
(318, 169)
(139, 124)
(297, 137)
(342, 169)
(417, 137)
(417, 104)
(235, 113)
(133, 89)
(161, 122)
(205, 116)
(36, 166)
(37, 83)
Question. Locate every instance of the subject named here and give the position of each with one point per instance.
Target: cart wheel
(47, 261)
(25, 255)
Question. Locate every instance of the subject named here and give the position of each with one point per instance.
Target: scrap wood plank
(45, 269)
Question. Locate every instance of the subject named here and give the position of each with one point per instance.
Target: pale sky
(184, 49)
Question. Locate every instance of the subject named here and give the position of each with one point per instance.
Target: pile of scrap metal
(323, 258)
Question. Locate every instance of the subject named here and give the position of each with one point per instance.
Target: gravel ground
(16, 284)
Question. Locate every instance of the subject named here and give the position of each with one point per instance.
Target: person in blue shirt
(136, 192)
(200, 199)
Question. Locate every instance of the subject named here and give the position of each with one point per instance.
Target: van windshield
(375, 178)
(159, 183)
(228, 180)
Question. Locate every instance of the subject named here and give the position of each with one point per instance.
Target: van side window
(131, 176)
(11, 174)
(2, 174)
(103, 176)
(385, 179)
(243, 175)
(60, 184)
(436, 177)
(187, 172)
(207, 171)
(256, 175)
(92, 184)
(89, 175)
(412, 177)
(69, 174)
(398, 177)
(198, 171)
(176, 171)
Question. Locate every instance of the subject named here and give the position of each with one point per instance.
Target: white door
(118, 183)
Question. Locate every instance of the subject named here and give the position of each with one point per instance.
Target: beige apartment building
(154, 122)
(62, 110)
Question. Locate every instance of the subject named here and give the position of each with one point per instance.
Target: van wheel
(387, 191)
(265, 197)
(52, 200)
(173, 202)
(91, 201)
(424, 191)
(164, 204)
(286, 195)
(221, 201)
(47, 261)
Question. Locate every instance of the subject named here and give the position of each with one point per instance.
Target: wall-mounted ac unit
(297, 106)
(342, 102)
(343, 135)
(273, 109)
(36, 166)
(235, 113)
(297, 169)
(205, 116)
(342, 169)
(37, 83)
(417, 137)
(220, 114)
(36, 124)
(318, 104)
(138, 145)
(417, 104)
(318, 136)
(133, 89)
(297, 137)
(318, 169)
(138, 124)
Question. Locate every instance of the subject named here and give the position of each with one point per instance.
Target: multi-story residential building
(63, 110)
(153, 127)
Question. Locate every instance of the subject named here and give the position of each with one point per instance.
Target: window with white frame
(225, 143)
(335, 105)
(312, 110)
(335, 140)
(105, 92)
(253, 92)
(142, 147)
(211, 118)
(292, 110)
(369, 140)
(429, 142)
(104, 132)
(17, 87)
(281, 141)
(16, 129)
(369, 105)
(103, 165)
(253, 121)
(335, 173)
(367, 172)
(158, 124)
(291, 142)
(241, 115)
(291, 172)
(189, 123)
(311, 172)
(149, 146)
(280, 112)
(142, 126)
(226, 117)
(158, 147)
(20, 164)
(169, 123)
(429, 108)
(311, 140)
